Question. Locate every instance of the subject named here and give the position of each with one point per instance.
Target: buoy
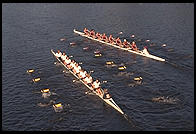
(98, 55)
(122, 68)
(137, 78)
(30, 71)
(36, 79)
(45, 90)
(109, 62)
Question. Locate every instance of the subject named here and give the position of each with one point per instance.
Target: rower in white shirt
(97, 88)
(88, 80)
(96, 84)
(58, 54)
(76, 69)
(63, 57)
(71, 65)
(82, 74)
(67, 61)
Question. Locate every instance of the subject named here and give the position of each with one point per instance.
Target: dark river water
(30, 31)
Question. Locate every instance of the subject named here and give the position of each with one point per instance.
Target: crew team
(82, 74)
(113, 41)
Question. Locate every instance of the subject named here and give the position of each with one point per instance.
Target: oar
(102, 82)
(91, 72)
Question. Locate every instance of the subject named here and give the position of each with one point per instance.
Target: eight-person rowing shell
(116, 42)
(82, 74)
(110, 39)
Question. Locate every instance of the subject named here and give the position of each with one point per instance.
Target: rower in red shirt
(104, 37)
(118, 42)
(92, 33)
(86, 31)
(111, 39)
(98, 35)
(126, 44)
(133, 46)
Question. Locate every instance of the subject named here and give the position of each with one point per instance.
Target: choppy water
(29, 31)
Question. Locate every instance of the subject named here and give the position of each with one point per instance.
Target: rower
(82, 74)
(86, 31)
(106, 94)
(67, 61)
(118, 42)
(145, 51)
(88, 80)
(76, 69)
(111, 39)
(96, 84)
(97, 88)
(71, 65)
(63, 57)
(98, 35)
(58, 54)
(125, 44)
(133, 46)
(104, 37)
(92, 33)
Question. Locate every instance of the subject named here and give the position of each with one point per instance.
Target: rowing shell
(109, 101)
(126, 49)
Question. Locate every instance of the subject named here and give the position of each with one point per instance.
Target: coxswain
(92, 33)
(145, 51)
(63, 57)
(67, 61)
(118, 42)
(58, 54)
(106, 94)
(86, 31)
(111, 39)
(76, 69)
(98, 35)
(88, 80)
(82, 74)
(133, 46)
